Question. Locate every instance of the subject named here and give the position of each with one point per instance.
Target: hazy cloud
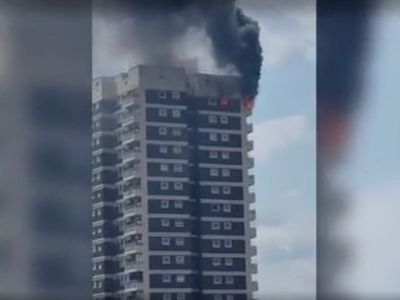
(274, 135)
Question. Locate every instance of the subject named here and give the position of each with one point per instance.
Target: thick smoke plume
(154, 29)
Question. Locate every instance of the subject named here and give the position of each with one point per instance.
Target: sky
(284, 136)
(372, 171)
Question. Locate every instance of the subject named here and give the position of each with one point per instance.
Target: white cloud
(287, 259)
(287, 32)
(277, 134)
(372, 225)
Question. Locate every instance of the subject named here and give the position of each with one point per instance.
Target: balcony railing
(132, 192)
(250, 145)
(132, 209)
(249, 127)
(130, 135)
(250, 163)
(130, 172)
(252, 198)
(251, 180)
(131, 285)
(252, 215)
(131, 246)
(131, 154)
(132, 227)
(129, 100)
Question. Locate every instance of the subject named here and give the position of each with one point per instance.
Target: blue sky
(284, 135)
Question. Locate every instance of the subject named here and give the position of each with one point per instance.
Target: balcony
(251, 180)
(132, 226)
(131, 247)
(130, 135)
(131, 154)
(254, 286)
(132, 192)
(249, 146)
(249, 127)
(129, 117)
(250, 162)
(130, 172)
(253, 233)
(252, 215)
(253, 250)
(131, 285)
(130, 99)
(252, 198)
(254, 268)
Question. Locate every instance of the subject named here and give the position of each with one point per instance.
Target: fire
(248, 103)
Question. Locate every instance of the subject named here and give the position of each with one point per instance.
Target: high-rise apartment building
(172, 203)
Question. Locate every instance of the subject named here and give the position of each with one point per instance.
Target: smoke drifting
(155, 29)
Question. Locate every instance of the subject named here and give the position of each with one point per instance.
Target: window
(162, 94)
(164, 186)
(164, 167)
(166, 260)
(230, 297)
(213, 137)
(94, 267)
(180, 278)
(178, 186)
(227, 208)
(226, 172)
(180, 296)
(225, 155)
(176, 132)
(229, 279)
(213, 172)
(217, 280)
(162, 131)
(166, 278)
(179, 241)
(162, 112)
(165, 241)
(218, 297)
(215, 190)
(215, 226)
(225, 137)
(224, 120)
(163, 149)
(228, 243)
(179, 223)
(216, 243)
(176, 113)
(165, 222)
(212, 102)
(216, 261)
(215, 207)
(179, 260)
(164, 204)
(166, 297)
(178, 204)
(213, 154)
(177, 149)
(227, 225)
(212, 119)
(176, 95)
(228, 261)
(226, 190)
(178, 168)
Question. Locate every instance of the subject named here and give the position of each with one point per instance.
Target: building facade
(172, 200)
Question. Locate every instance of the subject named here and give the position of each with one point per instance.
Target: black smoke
(155, 28)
